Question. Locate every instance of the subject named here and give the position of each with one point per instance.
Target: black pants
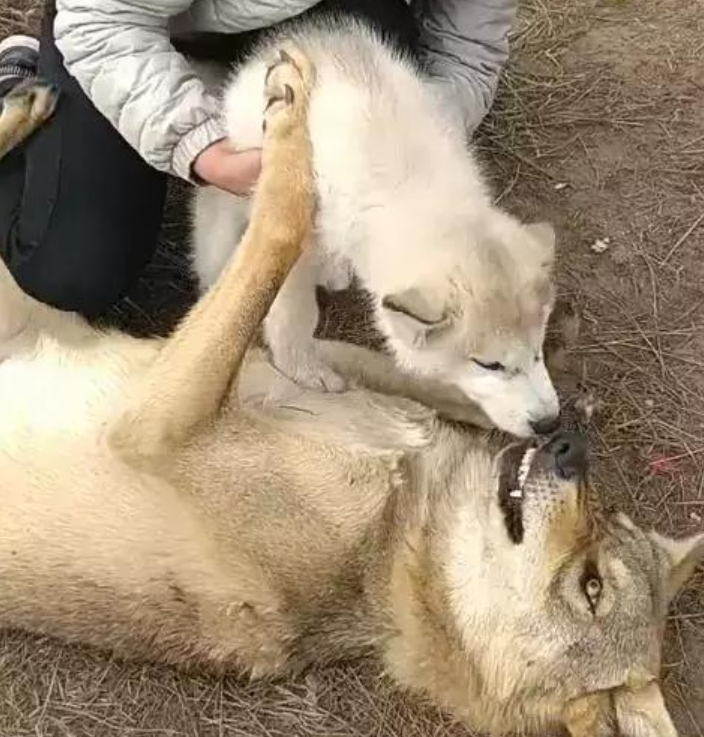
(80, 211)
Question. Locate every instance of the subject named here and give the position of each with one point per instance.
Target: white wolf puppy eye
(491, 366)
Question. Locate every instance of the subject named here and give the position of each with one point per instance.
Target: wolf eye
(592, 587)
(592, 584)
(495, 366)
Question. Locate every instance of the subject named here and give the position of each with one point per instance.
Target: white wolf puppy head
(475, 318)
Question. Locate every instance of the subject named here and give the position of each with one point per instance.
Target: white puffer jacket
(121, 54)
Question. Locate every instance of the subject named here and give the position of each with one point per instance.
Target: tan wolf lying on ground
(156, 501)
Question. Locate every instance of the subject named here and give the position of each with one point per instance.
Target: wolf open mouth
(515, 468)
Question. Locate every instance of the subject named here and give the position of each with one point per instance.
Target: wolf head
(560, 603)
(475, 318)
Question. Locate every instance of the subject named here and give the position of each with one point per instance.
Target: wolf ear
(642, 712)
(414, 314)
(544, 234)
(683, 557)
(624, 712)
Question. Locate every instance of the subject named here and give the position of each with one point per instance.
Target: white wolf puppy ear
(623, 712)
(683, 555)
(544, 234)
(414, 314)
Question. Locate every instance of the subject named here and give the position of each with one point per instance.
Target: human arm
(120, 53)
(465, 45)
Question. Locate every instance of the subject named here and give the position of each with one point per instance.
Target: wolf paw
(35, 100)
(307, 369)
(287, 85)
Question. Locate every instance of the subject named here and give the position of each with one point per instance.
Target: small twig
(681, 240)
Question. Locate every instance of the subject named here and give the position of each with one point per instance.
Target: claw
(270, 102)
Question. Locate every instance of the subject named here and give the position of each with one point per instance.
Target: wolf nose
(569, 449)
(546, 425)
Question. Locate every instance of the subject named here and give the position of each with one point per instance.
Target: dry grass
(599, 127)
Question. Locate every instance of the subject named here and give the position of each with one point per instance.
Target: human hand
(232, 171)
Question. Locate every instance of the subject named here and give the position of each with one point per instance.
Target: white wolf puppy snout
(523, 403)
(546, 418)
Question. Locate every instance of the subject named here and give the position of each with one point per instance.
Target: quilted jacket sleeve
(465, 43)
(120, 53)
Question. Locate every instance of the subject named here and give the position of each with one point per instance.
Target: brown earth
(600, 128)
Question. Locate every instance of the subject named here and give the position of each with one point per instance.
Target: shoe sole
(11, 42)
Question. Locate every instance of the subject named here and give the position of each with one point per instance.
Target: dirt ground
(599, 127)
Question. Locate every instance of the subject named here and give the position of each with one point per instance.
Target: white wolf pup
(461, 290)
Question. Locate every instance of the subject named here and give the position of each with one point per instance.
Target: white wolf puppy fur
(461, 290)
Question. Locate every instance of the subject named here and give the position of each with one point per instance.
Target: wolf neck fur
(421, 646)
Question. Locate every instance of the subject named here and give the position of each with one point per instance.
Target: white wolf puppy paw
(307, 368)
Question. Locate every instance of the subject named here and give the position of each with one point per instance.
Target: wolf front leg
(290, 326)
(195, 371)
(24, 109)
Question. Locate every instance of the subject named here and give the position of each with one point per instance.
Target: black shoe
(19, 59)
